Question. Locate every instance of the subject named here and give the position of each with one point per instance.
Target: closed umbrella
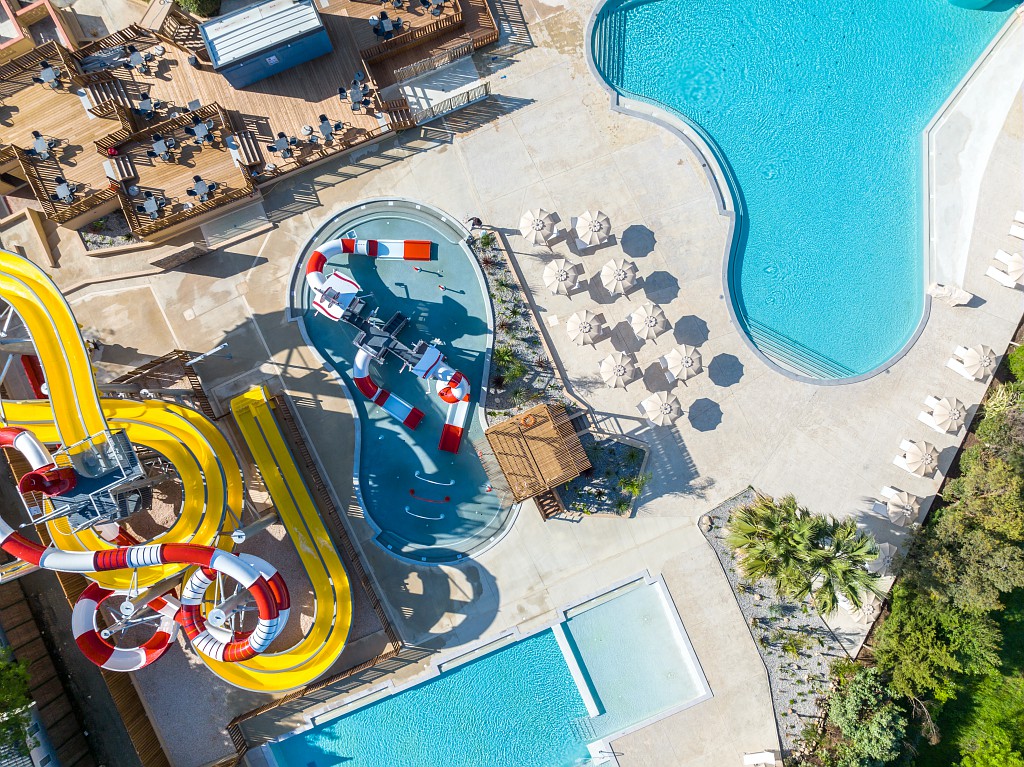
(661, 408)
(922, 458)
(903, 508)
(648, 322)
(949, 414)
(618, 276)
(560, 276)
(617, 370)
(882, 564)
(593, 228)
(979, 361)
(537, 226)
(584, 327)
(683, 362)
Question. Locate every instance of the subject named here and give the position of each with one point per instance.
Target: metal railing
(438, 60)
(458, 101)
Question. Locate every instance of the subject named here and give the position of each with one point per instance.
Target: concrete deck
(745, 425)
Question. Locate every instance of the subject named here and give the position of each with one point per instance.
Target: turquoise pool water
(818, 110)
(430, 505)
(519, 706)
(515, 707)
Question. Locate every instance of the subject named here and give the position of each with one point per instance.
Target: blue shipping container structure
(257, 42)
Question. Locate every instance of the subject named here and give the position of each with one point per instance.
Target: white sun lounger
(1017, 230)
(1019, 217)
(955, 363)
(997, 271)
(668, 373)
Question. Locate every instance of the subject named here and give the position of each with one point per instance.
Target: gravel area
(598, 491)
(521, 374)
(794, 642)
(110, 231)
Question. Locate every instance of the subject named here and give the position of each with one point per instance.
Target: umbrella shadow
(655, 379)
(624, 339)
(705, 414)
(691, 330)
(601, 295)
(725, 370)
(661, 287)
(638, 241)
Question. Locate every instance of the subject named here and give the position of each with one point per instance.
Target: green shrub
(14, 705)
(872, 724)
(1015, 361)
(206, 8)
(994, 751)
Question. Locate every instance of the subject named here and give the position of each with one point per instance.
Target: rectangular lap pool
(614, 664)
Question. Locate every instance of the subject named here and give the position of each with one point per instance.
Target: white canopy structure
(561, 276)
(661, 408)
(617, 370)
(537, 227)
(648, 322)
(584, 327)
(592, 228)
(618, 276)
(682, 362)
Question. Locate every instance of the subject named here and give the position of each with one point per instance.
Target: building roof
(537, 450)
(249, 31)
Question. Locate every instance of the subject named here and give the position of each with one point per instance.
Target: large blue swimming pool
(818, 109)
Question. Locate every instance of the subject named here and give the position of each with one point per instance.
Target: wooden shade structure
(537, 450)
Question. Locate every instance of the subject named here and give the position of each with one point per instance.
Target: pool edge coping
(691, 135)
(353, 702)
(293, 314)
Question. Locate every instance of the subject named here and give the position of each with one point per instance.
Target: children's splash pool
(427, 504)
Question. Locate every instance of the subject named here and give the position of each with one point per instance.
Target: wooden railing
(127, 134)
(122, 134)
(412, 38)
(35, 180)
(323, 151)
(144, 227)
(131, 33)
(438, 60)
(180, 30)
(82, 205)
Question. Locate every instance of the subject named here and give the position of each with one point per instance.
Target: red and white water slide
(266, 587)
(334, 293)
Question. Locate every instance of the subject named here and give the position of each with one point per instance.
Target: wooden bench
(244, 149)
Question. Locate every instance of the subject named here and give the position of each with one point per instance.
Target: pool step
(794, 356)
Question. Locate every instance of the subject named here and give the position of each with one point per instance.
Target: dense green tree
(990, 492)
(14, 704)
(924, 646)
(872, 724)
(838, 566)
(993, 751)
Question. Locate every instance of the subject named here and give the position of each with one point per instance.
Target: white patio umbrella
(922, 458)
(882, 564)
(584, 327)
(593, 228)
(560, 276)
(949, 414)
(661, 408)
(618, 276)
(903, 508)
(683, 362)
(979, 361)
(648, 322)
(537, 226)
(617, 370)
(869, 610)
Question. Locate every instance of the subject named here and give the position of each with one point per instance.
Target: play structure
(338, 297)
(82, 454)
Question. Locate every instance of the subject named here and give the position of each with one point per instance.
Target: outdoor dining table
(42, 147)
(202, 129)
(136, 59)
(49, 75)
(151, 205)
(64, 192)
(160, 146)
(201, 188)
(327, 130)
(281, 144)
(146, 105)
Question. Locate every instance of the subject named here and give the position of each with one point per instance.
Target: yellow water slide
(317, 650)
(74, 414)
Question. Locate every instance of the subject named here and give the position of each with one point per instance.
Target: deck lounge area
(87, 137)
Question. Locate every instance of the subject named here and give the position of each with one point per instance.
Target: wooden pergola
(537, 451)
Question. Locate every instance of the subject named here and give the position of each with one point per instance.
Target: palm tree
(839, 567)
(774, 539)
(803, 554)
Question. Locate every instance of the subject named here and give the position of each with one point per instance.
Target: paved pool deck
(745, 425)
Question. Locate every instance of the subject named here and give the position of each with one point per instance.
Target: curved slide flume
(316, 652)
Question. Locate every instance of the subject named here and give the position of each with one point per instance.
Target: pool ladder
(794, 356)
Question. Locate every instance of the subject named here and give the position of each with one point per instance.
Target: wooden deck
(284, 103)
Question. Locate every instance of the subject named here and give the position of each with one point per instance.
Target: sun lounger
(928, 419)
(1000, 276)
(1019, 217)
(1017, 230)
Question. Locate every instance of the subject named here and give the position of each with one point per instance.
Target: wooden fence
(458, 101)
(438, 60)
(418, 36)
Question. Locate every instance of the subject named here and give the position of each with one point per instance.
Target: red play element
(451, 437)
(417, 250)
(413, 419)
(49, 481)
(34, 372)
